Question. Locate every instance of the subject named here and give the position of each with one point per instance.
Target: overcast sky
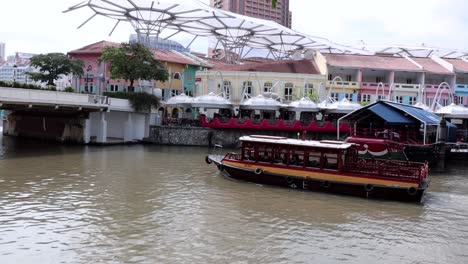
(40, 26)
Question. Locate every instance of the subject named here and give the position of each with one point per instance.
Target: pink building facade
(97, 79)
(368, 78)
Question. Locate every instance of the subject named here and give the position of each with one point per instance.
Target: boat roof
(328, 144)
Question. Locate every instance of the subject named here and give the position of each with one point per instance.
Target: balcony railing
(350, 85)
(431, 86)
(373, 86)
(461, 87)
(406, 86)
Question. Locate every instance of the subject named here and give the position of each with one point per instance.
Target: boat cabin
(324, 155)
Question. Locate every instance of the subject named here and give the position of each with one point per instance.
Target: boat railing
(402, 170)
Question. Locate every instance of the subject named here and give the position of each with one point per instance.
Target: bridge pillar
(147, 125)
(102, 128)
(87, 131)
(128, 128)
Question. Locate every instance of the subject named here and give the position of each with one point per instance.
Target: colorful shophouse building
(97, 79)
(289, 79)
(366, 78)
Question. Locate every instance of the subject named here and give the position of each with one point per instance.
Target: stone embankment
(198, 136)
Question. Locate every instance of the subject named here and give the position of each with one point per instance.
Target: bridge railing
(98, 99)
(57, 97)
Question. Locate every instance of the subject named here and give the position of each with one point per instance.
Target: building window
(176, 76)
(459, 100)
(334, 97)
(349, 78)
(378, 79)
(330, 76)
(365, 98)
(247, 87)
(409, 81)
(412, 100)
(444, 102)
(188, 92)
(349, 97)
(131, 89)
(267, 87)
(288, 87)
(227, 89)
(429, 101)
(309, 89)
(114, 88)
(399, 99)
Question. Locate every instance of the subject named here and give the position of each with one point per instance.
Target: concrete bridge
(71, 117)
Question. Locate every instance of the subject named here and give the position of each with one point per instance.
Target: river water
(159, 204)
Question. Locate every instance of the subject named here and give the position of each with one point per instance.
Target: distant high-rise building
(258, 8)
(159, 43)
(2, 51)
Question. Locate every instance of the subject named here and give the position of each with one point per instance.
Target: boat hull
(361, 190)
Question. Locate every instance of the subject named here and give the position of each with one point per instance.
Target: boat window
(329, 161)
(248, 151)
(297, 157)
(263, 154)
(313, 158)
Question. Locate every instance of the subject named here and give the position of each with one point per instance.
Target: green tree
(133, 61)
(313, 95)
(52, 65)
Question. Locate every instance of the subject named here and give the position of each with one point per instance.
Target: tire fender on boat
(207, 160)
(220, 167)
(412, 191)
(258, 171)
(369, 187)
(289, 180)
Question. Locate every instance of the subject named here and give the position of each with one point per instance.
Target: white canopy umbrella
(304, 104)
(261, 102)
(423, 106)
(181, 100)
(341, 107)
(211, 100)
(453, 111)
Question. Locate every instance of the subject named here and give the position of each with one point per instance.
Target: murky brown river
(158, 204)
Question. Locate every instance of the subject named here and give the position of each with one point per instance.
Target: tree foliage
(141, 102)
(133, 61)
(313, 95)
(52, 65)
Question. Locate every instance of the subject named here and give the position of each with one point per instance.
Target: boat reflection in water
(328, 166)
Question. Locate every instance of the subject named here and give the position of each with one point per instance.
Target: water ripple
(151, 204)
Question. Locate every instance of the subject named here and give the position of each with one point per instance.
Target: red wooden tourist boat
(328, 166)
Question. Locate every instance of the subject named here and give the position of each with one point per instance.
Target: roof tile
(371, 62)
(431, 66)
(286, 66)
(459, 65)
